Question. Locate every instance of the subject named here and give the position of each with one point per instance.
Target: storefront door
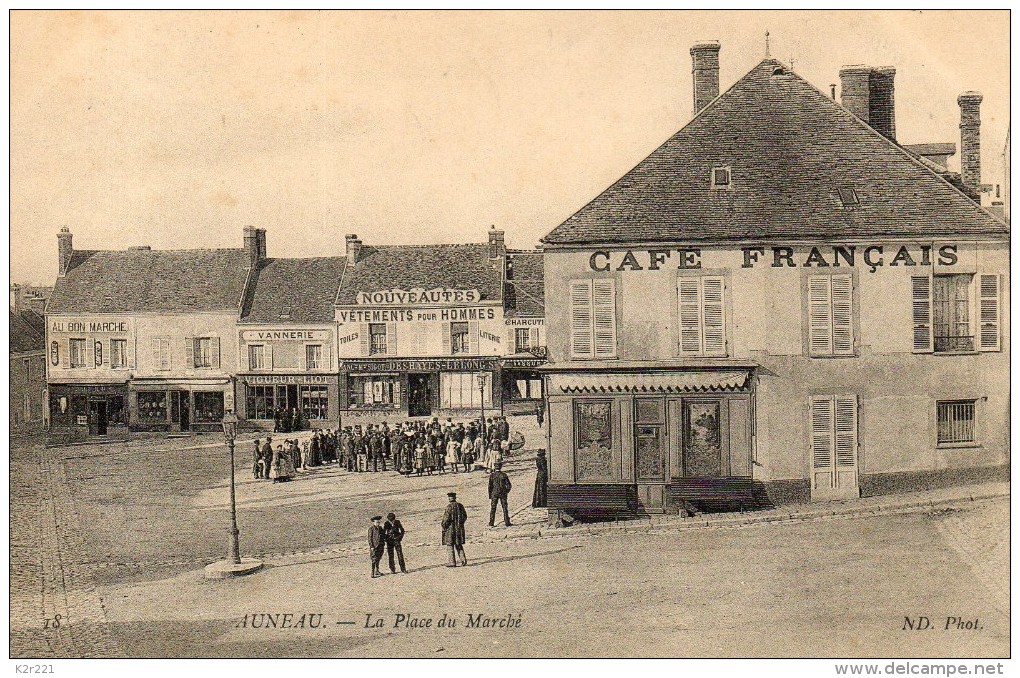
(419, 401)
(180, 409)
(650, 458)
(97, 418)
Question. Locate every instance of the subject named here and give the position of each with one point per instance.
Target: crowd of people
(411, 448)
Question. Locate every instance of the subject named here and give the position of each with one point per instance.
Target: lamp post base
(225, 569)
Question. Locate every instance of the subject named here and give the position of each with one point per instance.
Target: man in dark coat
(394, 535)
(376, 544)
(453, 530)
(499, 490)
(256, 468)
(541, 480)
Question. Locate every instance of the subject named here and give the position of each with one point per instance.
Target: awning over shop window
(656, 382)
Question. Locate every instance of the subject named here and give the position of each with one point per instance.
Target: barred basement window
(955, 421)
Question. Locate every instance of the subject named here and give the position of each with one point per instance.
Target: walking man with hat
(453, 530)
(499, 490)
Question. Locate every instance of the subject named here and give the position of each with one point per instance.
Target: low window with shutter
(701, 304)
(830, 315)
(988, 313)
(593, 318)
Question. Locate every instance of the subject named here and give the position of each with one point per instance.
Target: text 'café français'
(872, 257)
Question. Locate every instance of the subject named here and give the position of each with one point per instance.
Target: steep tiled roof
(294, 290)
(173, 281)
(525, 290)
(790, 148)
(422, 266)
(26, 333)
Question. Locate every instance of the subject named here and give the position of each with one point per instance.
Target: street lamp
(233, 566)
(481, 399)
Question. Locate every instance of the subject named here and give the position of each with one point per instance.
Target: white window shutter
(90, 354)
(921, 299)
(130, 346)
(822, 442)
(267, 357)
(391, 338)
(189, 351)
(164, 352)
(106, 348)
(842, 314)
(604, 313)
(533, 339)
(364, 338)
(988, 313)
(713, 314)
(582, 340)
(690, 307)
(845, 430)
(819, 315)
(65, 353)
(215, 352)
(473, 338)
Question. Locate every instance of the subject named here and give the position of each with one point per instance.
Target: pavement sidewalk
(532, 523)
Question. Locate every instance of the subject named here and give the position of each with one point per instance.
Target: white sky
(177, 129)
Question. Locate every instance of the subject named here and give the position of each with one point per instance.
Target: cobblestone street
(56, 610)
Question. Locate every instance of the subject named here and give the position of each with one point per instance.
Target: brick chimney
(881, 103)
(855, 90)
(65, 250)
(970, 142)
(354, 246)
(15, 298)
(255, 244)
(497, 247)
(705, 73)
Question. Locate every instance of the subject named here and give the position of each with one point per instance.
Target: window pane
(956, 421)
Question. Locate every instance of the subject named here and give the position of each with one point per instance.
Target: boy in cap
(376, 544)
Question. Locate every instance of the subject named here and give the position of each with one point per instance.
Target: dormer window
(721, 178)
(848, 197)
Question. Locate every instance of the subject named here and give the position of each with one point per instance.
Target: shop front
(179, 405)
(377, 389)
(266, 396)
(82, 411)
(650, 441)
(522, 384)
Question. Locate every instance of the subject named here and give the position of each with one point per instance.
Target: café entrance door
(650, 460)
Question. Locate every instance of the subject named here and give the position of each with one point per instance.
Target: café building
(422, 332)
(287, 342)
(142, 339)
(779, 304)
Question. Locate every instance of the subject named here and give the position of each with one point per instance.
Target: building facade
(287, 357)
(423, 331)
(27, 351)
(779, 304)
(142, 339)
